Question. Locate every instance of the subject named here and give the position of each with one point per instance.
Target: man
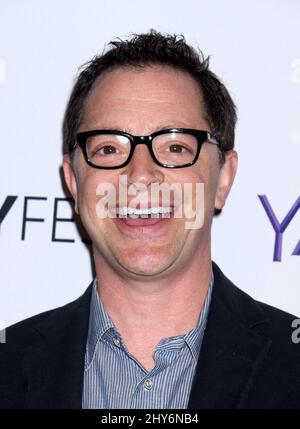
(160, 326)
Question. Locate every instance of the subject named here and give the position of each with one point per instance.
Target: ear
(226, 178)
(70, 178)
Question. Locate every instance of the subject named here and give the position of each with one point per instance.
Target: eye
(177, 148)
(106, 150)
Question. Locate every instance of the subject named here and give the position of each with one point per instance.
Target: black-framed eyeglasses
(169, 148)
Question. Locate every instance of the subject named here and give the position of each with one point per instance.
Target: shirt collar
(194, 337)
(100, 323)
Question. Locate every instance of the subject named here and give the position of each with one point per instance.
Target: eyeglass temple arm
(212, 139)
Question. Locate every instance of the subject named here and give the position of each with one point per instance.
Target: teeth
(127, 211)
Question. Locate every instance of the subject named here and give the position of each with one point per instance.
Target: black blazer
(247, 360)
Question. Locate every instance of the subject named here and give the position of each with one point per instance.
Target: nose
(142, 168)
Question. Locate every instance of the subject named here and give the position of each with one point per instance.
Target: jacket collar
(231, 352)
(54, 366)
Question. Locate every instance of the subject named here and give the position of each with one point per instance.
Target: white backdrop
(254, 48)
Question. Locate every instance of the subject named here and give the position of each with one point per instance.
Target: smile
(151, 212)
(145, 220)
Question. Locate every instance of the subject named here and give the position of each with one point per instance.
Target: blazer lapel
(232, 351)
(54, 366)
(231, 354)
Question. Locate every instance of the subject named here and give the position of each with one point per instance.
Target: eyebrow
(130, 131)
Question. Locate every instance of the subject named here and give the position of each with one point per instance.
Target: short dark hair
(155, 48)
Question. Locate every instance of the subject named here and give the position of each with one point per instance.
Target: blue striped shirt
(113, 378)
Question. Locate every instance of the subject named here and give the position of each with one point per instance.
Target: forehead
(151, 94)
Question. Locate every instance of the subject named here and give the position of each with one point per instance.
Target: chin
(148, 266)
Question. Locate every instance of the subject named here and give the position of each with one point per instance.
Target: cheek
(207, 171)
(86, 199)
(196, 175)
(88, 191)
(204, 182)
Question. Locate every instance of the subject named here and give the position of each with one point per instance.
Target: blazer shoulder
(28, 331)
(281, 327)
(49, 331)
(258, 316)
(276, 315)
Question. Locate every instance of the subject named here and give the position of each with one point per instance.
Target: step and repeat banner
(253, 47)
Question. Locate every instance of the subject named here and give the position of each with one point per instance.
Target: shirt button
(148, 384)
(116, 341)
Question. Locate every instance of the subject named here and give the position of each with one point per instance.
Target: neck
(162, 307)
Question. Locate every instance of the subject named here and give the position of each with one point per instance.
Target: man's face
(141, 102)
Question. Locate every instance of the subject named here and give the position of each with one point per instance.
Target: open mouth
(144, 219)
(145, 213)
